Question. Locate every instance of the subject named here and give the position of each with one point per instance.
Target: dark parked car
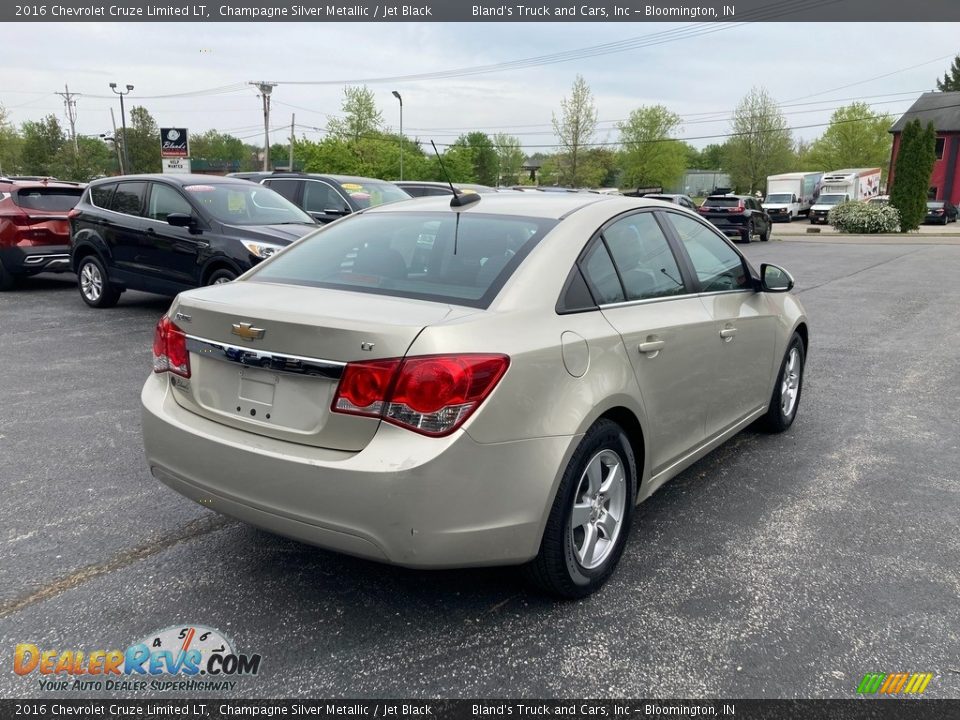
(167, 233)
(328, 197)
(423, 188)
(255, 176)
(683, 201)
(739, 216)
(34, 229)
(940, 213)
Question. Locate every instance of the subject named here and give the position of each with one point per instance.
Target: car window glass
(100, 194)
(164, 200)
(287, 188)
(718, 266)
(126, 199)
(598, 270)
(447, 257)
(643, 257)
(318, 197)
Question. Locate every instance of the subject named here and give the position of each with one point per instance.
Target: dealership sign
(173, 143)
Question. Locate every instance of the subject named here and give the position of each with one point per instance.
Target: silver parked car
(490, 381)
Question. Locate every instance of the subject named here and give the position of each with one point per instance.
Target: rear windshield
(722, 202)
(53, 199)
(462, 259)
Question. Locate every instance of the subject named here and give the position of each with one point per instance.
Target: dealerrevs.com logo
(178, 658)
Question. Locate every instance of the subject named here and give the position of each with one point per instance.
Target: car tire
(94, 284)
(747, 235)
(765, 236)
(8, 281)
(218, 277)
(788, 388)
(598, 485)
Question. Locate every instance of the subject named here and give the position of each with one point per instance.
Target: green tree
(911, 176)
(360, 115)
(509, 158)
(575, 128)
(856, 137)
(218, 147)
(95, 159)
(650, 155)
(951, 78)
(483, 156)
(10, 142)
(142, 141)
(42, 142)
(760, 145)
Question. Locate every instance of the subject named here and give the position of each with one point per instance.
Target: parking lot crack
(861, 270)
(196, 528)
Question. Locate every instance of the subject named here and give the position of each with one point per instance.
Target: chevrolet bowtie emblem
(247, 331)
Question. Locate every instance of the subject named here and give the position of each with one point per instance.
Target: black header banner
(887, 709)
(599, 11)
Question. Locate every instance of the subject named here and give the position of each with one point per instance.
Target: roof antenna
(459, 199)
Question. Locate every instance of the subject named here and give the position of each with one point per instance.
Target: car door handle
(151, 232)
(727, 333)
(651, 346)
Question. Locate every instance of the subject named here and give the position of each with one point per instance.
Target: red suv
(34, 228)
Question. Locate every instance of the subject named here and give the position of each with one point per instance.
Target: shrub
(861, 217)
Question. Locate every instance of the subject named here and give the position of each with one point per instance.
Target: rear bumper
(730, 227)
(405, 499)
(31, 259)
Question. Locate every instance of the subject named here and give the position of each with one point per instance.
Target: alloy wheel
(599, 507)
(91, 282)
(790, 387)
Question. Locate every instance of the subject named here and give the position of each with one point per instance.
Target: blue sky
(701, 77)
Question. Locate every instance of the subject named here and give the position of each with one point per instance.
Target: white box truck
(790, 195)
(841, 186)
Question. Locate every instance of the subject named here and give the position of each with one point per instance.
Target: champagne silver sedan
(487, 380)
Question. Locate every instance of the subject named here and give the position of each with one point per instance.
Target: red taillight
(170, 349)
(432, 394)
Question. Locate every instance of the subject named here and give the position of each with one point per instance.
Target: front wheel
(95, 287)
(590, 518)
(786, 392)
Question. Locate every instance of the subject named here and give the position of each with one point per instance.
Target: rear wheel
(765, 235)
(95, 287)
(786, 392)
(590, 518)
(747, 234)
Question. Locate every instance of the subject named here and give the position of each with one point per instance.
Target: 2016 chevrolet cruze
(491, 380)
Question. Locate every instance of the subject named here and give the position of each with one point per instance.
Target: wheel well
(81, 252)
(631, 426)
(217, 265)
(802, 332)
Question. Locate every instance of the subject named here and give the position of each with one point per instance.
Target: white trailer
(790, 195)
(841, 186)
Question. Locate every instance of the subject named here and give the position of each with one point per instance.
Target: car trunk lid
(267, 358)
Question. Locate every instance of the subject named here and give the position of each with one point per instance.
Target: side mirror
(180, 219)
(775, 279)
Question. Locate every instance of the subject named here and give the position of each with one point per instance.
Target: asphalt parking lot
(778, 566)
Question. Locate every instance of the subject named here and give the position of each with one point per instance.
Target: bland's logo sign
(173, 142)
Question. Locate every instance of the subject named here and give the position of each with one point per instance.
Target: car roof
(177, 179)
(325, 176)
(543, 205)
(731, 195)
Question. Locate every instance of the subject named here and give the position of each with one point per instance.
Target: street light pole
(397, 96)
(123, 123)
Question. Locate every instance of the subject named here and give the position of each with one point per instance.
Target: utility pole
(265, 89)
(293, 120)
(70, 106)
(397, 96)
(116, 145)
(123, 121)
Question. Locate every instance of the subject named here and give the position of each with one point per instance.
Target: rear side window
(100, 195)
(287, 188)
(463, 259)
(643, 257)
(599, 272)
(52, 199)
(128, 198)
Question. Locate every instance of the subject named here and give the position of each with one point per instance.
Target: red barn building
(943, 110)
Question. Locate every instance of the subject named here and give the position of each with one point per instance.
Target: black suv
(328, 197)
(739, 216)
(167, 233)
